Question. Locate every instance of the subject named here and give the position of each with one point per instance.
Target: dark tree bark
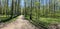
(25, 13)
(31, 11)
(7, 8)
(18, 7)
(0, 8)
(54, 8)
(15, 7)
(12, 9)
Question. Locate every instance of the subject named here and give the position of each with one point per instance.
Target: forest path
(20, 23)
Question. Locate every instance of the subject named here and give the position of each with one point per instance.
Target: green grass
(3, 17)
(50, 20)
(44, 20)
(47, 21)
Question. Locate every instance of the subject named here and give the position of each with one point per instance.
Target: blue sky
(22, 2)
(44, 1)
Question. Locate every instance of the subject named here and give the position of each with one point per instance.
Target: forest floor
(19, 23)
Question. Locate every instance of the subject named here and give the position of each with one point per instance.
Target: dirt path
(20, 23)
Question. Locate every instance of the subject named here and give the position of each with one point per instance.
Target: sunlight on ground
(50, 20)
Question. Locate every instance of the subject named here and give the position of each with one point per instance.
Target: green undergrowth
(44, 21)
(12, 20)
(50, 20)
(7, 19)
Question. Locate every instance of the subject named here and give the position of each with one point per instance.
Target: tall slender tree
(0, 8)
(12, 9)
(18, 7)
(25, 8)
(7, 8)
(31, 11)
